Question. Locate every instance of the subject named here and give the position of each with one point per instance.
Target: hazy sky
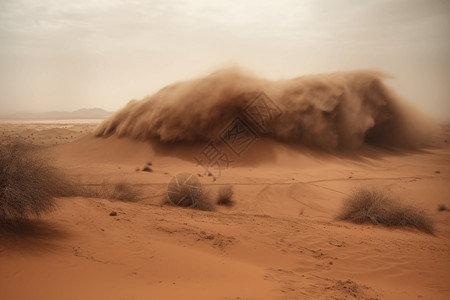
(65, 55)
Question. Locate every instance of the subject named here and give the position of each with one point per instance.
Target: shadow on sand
(31, 236)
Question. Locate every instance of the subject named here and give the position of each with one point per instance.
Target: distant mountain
(84, 113)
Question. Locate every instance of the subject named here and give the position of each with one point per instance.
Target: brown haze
(344, 196)
(331, 111)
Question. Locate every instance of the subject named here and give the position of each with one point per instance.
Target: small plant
(185, 190)
(28, 183)
(204, 202)
(116, 191)
(124, 192)
(376, 207)
(225, 195)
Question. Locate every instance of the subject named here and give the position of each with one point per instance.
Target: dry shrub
(185, 190)
(28, 183)
(122, 191)
(203, 202)
(125, 192)
(225, 195)
(377, 207)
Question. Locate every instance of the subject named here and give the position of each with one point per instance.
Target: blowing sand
(330, 111)
(280, 239)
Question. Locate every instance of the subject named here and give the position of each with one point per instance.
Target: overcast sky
(65, 55)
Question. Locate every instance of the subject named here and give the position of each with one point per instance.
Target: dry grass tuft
(202, 202)
(225, 195)
(28, 183)
(372, 206)
(185, 190)
(122, 191)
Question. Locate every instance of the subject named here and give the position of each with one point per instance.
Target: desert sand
(280, 239)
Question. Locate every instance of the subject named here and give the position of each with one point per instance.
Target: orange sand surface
(280, 240)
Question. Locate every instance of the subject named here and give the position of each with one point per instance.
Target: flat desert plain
(280, 239)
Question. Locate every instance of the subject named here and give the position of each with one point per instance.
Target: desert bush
(186, 191)
(203, 201)
(377, 207)
(28, 183)
(122, 191)
(125, 192)
(225, 195)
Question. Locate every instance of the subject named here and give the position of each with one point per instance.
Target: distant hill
(84, 113)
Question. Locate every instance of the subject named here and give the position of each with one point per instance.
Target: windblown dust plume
(332, 111)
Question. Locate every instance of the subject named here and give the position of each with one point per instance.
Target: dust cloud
(341, 110)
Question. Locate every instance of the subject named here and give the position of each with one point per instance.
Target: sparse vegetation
(28, 183)
(377, 207)
(203, 202)
(186, 191)
(225, 195)
(122, 191)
